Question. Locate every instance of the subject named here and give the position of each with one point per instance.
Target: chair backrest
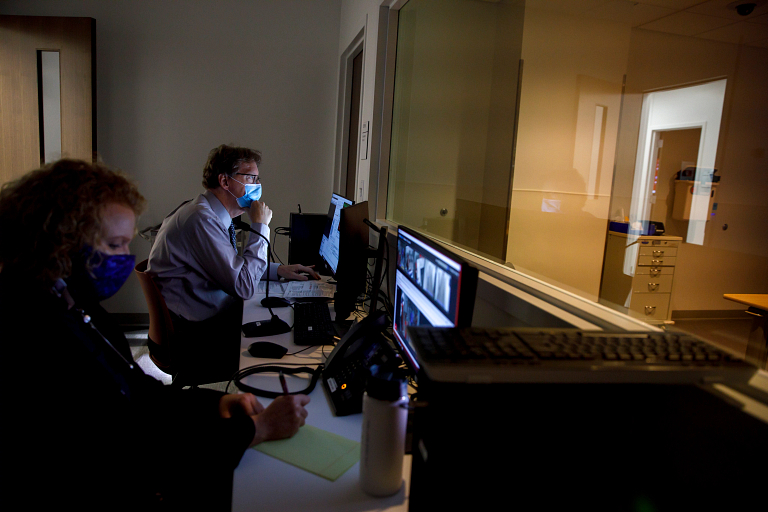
(160, 324)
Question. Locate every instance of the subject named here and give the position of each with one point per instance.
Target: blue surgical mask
(110, 271)
(252, 193)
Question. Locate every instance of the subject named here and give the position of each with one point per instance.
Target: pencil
(282, 383)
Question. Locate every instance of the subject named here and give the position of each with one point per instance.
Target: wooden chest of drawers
(638, 273)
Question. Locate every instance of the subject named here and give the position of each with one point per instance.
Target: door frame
(690, 106)
(343, 121)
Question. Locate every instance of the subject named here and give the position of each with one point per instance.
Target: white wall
(175, 79)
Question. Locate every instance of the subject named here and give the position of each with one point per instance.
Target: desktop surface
(264, 483)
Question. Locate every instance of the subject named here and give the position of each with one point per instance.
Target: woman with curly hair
(83, 424)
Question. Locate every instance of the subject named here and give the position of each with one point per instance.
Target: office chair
(210, 351)
(161, 331)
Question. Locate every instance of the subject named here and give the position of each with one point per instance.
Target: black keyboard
(570, 355)
(312, 324)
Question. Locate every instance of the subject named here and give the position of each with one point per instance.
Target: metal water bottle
(385, 415)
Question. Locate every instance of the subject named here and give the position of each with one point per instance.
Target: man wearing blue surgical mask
(194, 260)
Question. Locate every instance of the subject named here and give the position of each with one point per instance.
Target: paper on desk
(309, 289)
(315, 450)
(276, 288)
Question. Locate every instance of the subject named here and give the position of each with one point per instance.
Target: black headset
(237, 378)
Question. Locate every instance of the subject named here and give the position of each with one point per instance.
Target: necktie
(232, 237)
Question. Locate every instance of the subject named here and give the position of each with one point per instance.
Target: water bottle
(385, 414)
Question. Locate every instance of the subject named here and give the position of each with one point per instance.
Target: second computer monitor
(432, 287)
(329, 244)
(352, 270)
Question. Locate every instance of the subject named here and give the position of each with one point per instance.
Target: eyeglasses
(250, 178)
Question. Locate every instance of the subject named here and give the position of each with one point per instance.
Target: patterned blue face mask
(252, 193)
(110, 271)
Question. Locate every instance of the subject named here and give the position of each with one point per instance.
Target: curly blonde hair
(48, 215)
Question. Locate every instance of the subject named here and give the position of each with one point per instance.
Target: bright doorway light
(697, 106)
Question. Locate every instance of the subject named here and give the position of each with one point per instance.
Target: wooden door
(22, 37)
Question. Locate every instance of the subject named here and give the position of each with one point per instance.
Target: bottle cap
(383, 385)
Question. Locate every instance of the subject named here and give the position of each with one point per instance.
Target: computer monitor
(306, 232)
(352, 264)
(432, 287)
(329, 243)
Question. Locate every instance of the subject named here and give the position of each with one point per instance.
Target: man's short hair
(227, 160)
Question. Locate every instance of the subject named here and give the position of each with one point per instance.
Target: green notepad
(315, 450)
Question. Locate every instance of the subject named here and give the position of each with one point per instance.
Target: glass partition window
(49, 105)
(556, 136)
(453, 120)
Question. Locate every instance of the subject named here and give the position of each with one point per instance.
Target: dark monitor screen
(304, 240)
(432, 287)
(329, 244)
(352, 270)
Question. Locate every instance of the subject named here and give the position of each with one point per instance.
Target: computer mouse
(267, 350)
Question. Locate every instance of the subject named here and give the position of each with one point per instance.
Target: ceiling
(708, 19)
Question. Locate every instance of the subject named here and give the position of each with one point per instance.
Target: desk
(263, 483)
(757, 344)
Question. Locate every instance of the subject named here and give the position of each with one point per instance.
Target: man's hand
(281, 419)
(291, 272)
(260, 212)
(236, 404)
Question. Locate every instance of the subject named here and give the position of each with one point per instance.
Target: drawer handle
(649, 310)
(657, 262)
(655, 272)
(653, 286)
(658, 253)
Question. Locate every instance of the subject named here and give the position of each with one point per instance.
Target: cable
(300, 351)
(284, 231)
(386, 269)
(275, 325)
(274, 238)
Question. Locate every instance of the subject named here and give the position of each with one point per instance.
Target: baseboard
(710, 314)
(132, 320)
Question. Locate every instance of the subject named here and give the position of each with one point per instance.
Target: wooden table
(757, 345)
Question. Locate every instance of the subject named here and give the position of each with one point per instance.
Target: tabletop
(264, 483)
(756, 300)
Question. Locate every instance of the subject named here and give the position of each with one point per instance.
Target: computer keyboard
(312, 324)
(570, 355)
